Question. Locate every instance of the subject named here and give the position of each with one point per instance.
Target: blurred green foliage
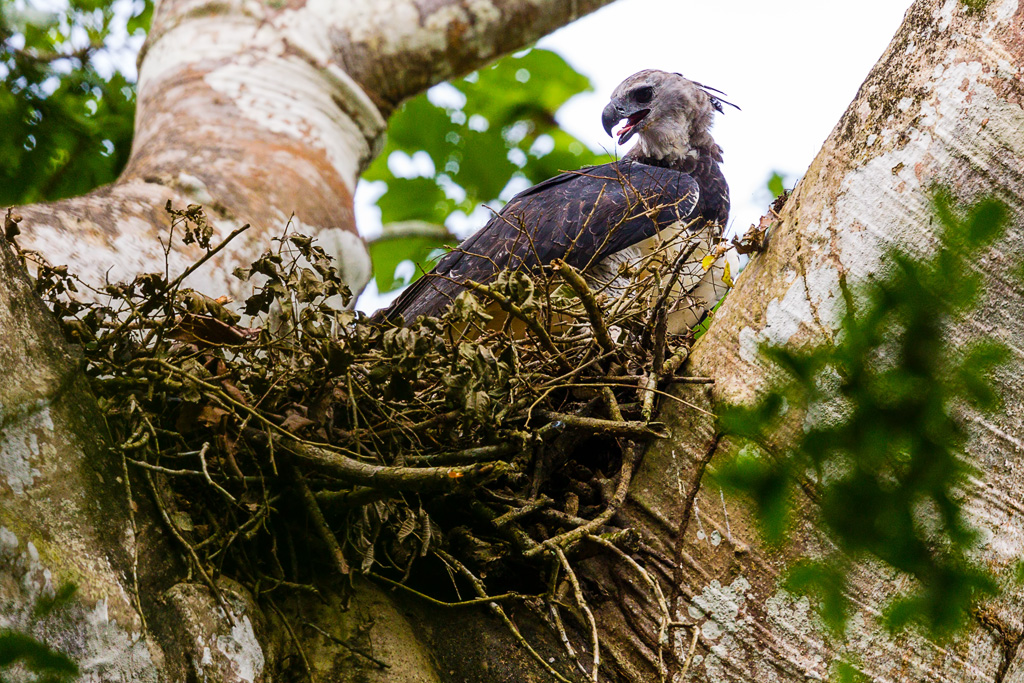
(67, 111)
(418, 242)
(19, 649)
(48, 604)
(36, 657)
(495, 124)
(878, 444)
(846, 672)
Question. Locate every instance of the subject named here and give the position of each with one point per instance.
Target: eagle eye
(643, 94)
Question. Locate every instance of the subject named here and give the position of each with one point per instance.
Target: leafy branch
(871, 429)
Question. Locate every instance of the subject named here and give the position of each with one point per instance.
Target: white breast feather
(696, 290)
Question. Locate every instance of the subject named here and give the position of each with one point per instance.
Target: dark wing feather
(580, 217)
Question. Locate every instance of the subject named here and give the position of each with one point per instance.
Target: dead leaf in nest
(229, 446)
(295, 423)
(212, 416)
(193, 415)
(321, 408)
(209, 331)
(709, 260)
(11, 220)
(756, 238)
(186, 422)
(572, 504)
(234, 392)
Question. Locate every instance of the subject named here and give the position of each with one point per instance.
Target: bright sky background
(793, 67)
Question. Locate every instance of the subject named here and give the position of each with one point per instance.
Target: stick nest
(311, 445)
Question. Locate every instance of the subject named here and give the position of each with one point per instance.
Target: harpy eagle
(600, 217)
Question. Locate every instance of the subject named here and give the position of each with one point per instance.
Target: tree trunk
(943, 107)
(259, 116)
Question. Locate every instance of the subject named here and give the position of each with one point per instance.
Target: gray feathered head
(671, 114)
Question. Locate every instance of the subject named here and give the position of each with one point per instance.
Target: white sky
(793, 67)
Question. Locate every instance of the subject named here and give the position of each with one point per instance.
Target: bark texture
(62, 517)
(943, 106)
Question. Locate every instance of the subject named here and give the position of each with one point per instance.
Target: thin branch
(172, 527)
(206, 474)
(504, 597)
(594, 314)
(582, 602)
(530, 321)
(666, 615)
(527, 509)
(624, 428)
(295, 640)
(630, 458)
(339, 641)
(320, 524)
(135, 540)
(478, 586)
(415, 479)
(205, 257)
(468, 455)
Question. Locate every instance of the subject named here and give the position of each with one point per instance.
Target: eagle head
(671, 114)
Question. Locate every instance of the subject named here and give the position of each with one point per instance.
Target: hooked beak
(613, 113)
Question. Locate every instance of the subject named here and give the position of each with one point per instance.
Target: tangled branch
(375, 449)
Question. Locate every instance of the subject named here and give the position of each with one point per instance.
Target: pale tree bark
(943, 107)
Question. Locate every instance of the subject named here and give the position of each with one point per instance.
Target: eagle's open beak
(613, 113)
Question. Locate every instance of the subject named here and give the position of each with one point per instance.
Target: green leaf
(699, 331)
(478, 147)
(419, 243)
(871, 434)
(67, 128)
(568, 154)
(483, 165)
(501, 96)
(417, 125)
(37, 657)
(414, 199)
(142, 17)
(825, 582)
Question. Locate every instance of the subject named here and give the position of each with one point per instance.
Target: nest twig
(313, 429)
